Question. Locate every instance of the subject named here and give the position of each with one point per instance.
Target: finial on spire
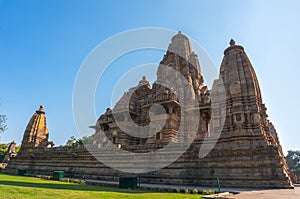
(41, 110)
(233, 46)
(232, 42)
(144, 81)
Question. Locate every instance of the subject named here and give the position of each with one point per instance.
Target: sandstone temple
(227, 130)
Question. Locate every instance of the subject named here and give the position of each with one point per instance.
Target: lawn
(29, 187)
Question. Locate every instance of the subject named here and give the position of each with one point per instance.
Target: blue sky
(43, 44)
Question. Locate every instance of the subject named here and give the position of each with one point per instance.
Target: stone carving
(11, 152)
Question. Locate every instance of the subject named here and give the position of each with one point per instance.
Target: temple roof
(238, 72)
(178, 36)
(180, 45)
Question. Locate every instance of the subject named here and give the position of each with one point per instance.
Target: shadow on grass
(76, 187)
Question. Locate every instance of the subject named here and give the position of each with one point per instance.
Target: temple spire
(181, 57)
(238, 72)
(180, 45)
(36, 132)
(232, 42)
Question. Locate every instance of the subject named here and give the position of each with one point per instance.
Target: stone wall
(243, 167)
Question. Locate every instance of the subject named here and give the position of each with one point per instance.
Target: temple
(11, 152)
(36, 133)
(227, 127)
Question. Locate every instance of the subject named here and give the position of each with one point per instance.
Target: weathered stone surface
(11, 152)
(36, 132)
(247, 153)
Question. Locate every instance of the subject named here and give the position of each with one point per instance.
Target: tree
(86, 140)
(3, 125)
(18, 148)
(293, 162)
(81, 141)
(71, 141)
(3, 150)
(293, 159)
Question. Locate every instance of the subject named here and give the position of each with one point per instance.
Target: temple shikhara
(226, 127)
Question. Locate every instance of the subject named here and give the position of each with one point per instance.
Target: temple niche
(233, 138)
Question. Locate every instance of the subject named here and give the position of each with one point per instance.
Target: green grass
(29, 187)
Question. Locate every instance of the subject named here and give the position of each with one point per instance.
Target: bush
(44, 177)
(177, 190)
(69, 180)
(186, 191)
(194, 191)
(65, 180)
(208, 192)
(77, 181)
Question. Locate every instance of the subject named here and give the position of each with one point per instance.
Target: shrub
(186, 191)
(65, 180)
(194, 191)
(208, 192)
(71, 180)
(77, 181)
(44, 177)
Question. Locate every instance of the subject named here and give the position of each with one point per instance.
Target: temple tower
(166, 91)
(36, 132)
(180, 57)
(247, 129)
(242, 91)
(245, 113)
